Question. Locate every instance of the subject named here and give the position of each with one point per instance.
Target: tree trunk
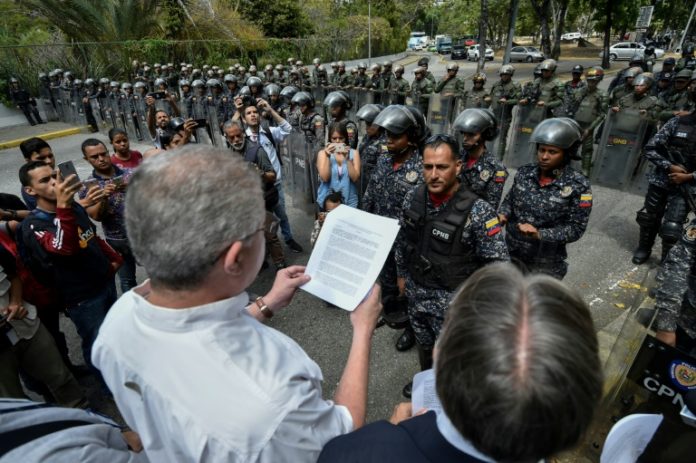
(514, 7)
(558, 29)
(606, 64)
(483, 28)
(541, 8)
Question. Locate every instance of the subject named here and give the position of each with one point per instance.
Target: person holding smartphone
(339, 167)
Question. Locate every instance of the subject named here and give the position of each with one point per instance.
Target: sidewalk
(11, 137)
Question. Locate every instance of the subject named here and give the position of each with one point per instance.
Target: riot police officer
(627, 87)
(361, 79)
(333, 78)
(636, 61)
(687, 61)
(447, 233)
(667, 67)
(450, 84)
(292, 111)
(231, 85)
(373, 143)
(394, 176)
(549, 204)
(571, 86)
(25, 102)
(588, 108)
(639, 98)
(424, 63)
(675, 102)
(671, 149)
(481, 170)
(343, 80)
(663, 85)
(477, 97)
(421, 88)
(311, 124)
(375, 77)
(650, 57)
(550, 89)
(338, 103)
(399, 86)
(504, 96)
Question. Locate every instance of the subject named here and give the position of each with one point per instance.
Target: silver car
(528, 54)
(626, 50)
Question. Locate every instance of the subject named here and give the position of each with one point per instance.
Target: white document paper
(423, 393)
(628, 438)
(349, 255)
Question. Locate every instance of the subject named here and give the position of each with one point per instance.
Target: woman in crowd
(123, 156)
(339, 167)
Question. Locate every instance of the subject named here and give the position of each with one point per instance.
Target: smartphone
(201, 123)
(157, 95)
(89, 183)
(67, 169)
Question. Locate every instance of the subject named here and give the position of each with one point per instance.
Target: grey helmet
(424, 61)
(244, 91)
(104, 81)
(362, 65)
(115, 84)
(288, 92)
(396, 119)
(302, 99)
(273, 89)
(422, 130)
(452, 67)
(139, 84)
(476, 120)
(683, 74)
(386, 66)
(548, 65)
(633, 71)
(338, 98)
(254, 81)
(537, 70)
(126, 86)
(184, 83)
(643, 79)
(316, 61)
(78, 83)
(159, 82)
(398, 69)
(198, 83)
(90, 83)
(369, 112)
(507, 69)
(43, 76)
(562, 132)
(230, 78)
(214, 83)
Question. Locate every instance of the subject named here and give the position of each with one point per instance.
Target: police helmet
(42, 76)
(242, 69)
(58, 70)
(279, 67)
(252, 68)
(419, 70)
(396, 119)
(175, 124)
(577, 69)
(548, 65)
(104, 81)
(395, 311)
(215, 68)
(290, 61)
(669, 61)
(362, 65)
(507, 69)
(398, 69)
(124, 86)
(423, 61)
(316, 61)
(268, 68)
(158, 65)
(160, 82)
(138, 84)
(477, 120)
(184, 83)
(422, 130)
(210, 73)
(299, 63)
(562, 132)
(302, 99)
(643, 79)
(90, 83)
(633, 71)
(375, 68)
(341, 64)
(13, 80)
(198, 83)
(452, 67)
(254, 81)
(338, 98)
(213, 83)
(368, 112)
(683, 74)
(67, 74)
(230, 78)
(595, 73)
(386, 65)
(273, 89)
(52, 74)
(115, 84)
(537, 70)
(334, 64)
(288, 92)
(77, 83)
(479, 77)
(244, 91)
(637, 59)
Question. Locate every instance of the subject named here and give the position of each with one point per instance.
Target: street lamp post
(369, 33)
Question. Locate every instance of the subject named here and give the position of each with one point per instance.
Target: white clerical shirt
(211, 383)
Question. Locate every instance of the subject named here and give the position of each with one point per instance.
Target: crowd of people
(186, 355)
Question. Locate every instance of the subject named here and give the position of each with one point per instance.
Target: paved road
(600, 268)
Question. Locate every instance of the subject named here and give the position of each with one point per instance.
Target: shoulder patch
(500, 176)
(493, 227)
(586, 200)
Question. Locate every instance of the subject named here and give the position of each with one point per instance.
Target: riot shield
(619, 149)
(318, 94)
(199, 107)
(66, 103)
(55, 96)
(78, 108)
(363, 97)
(439, 113)
(140, 119)
(104, 112)
(525, 119)
(311, 152)
(502, 116)
(97, 112)
(214, 124)
(286, 163)
(117, 111)
(301, 168)
(130, 118)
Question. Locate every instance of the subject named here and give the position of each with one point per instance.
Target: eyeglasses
(441, 137)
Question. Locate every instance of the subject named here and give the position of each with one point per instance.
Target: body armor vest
(683, 140)
(588, 107)
(307, 127)
(436, 257)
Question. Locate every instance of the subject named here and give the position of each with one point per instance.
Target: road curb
(46, 136)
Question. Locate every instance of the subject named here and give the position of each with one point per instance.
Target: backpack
(270, 192)
(36, 258)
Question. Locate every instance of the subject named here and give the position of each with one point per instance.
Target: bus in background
(418, 41)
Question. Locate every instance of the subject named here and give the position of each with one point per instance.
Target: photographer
(157, 119)
(339, 167)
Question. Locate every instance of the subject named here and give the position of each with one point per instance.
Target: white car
(626, 50)
(571, 36)
(472, 53)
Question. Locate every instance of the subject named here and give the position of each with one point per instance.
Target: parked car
(459, 51)
(472, 53)
(571, 36)
(419, 46)
(444, 47)
(528, 54)
(626, 50)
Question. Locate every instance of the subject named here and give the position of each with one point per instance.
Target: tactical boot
(645, 244)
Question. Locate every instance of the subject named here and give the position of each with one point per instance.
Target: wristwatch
(263, 308)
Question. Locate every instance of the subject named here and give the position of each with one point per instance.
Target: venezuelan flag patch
(493, 227)
(586, 200)
(500, 176)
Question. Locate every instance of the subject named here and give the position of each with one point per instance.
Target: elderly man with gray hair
(192, 368)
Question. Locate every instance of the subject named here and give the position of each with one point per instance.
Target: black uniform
(24, 101)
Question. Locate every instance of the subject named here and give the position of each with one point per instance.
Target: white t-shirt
(211, 383)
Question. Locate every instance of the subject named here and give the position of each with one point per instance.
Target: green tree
(279, 18)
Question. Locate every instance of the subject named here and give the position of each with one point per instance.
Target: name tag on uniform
(681, 135)
(441, 234)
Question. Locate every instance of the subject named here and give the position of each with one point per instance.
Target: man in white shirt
(268, 138)
(192, 368)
